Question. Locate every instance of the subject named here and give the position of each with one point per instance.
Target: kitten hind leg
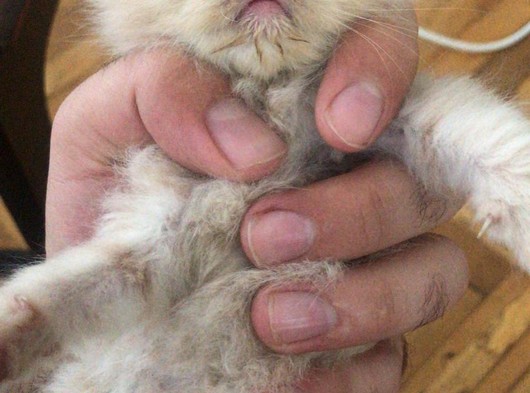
(82, 291)
(215, 345)
(462, 141)
(106, 283)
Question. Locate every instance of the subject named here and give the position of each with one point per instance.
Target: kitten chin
(231, 33)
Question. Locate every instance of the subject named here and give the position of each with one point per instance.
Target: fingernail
(354, 114)
(242, 136)
(298, 316)
(279, 236)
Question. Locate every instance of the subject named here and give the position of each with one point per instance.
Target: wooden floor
(483, 344)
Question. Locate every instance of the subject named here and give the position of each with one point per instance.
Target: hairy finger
(372, 302)
(369, 209)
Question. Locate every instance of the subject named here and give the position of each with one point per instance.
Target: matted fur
(158, 300)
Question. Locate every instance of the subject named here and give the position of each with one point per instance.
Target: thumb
(157, 96)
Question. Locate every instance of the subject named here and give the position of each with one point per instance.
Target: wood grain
(424, 342)
(10, 237)
(509, 370)
(479, 343)
(523, 386)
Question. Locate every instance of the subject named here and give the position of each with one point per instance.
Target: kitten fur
(158, 300)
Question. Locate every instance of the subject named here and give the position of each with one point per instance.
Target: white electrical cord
(475, 47)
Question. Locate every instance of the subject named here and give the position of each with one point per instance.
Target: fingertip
(351, 120)
(286, 319)
(365, 82)
(272, 237)
(259, 315)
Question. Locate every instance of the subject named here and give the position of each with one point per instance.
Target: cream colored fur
(158, 300)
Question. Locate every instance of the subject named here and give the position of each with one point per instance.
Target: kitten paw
(493, 215)
(20, 334)
(507, 224)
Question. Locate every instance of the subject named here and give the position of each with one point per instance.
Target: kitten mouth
(263, 9)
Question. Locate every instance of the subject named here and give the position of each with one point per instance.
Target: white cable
(475, 47)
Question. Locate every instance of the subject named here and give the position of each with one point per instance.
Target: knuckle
(452, 263)
(436, 299)
(444, 280)
(431, 208)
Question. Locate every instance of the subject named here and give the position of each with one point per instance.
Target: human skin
(162, 97)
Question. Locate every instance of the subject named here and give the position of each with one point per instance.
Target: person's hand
(162, 97)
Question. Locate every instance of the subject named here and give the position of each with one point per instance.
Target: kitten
(158, 300)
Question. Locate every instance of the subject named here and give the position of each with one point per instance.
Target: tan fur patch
(134, 270)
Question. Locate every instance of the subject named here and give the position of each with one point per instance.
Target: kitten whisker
(258, 50)
(297, 39)
(279, 46)
(391, 26)
(228, 18)
(399, 42)
(381, 10)
(379, 49)
(237, 42)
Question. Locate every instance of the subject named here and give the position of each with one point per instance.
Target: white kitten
(158, 300)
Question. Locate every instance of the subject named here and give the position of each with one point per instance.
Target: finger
(370, 303)
(345, 217)
(377, 370)
(189, 113)
(150, 96)
(366, 81)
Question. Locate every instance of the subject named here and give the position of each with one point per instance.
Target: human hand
(161, 97)
(367, 210)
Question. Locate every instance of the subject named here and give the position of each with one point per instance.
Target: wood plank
(523, 93)
(68, 69)
(502, 18)
(423, 342)
(451, 18)
(509, 370)
(73, 54)
(523, 97)
(506, 72)
(522, 386)
(478, 344)
(488, 264)
(10, 236)
(69, 28)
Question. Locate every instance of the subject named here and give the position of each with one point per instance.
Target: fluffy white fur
(158, 300)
